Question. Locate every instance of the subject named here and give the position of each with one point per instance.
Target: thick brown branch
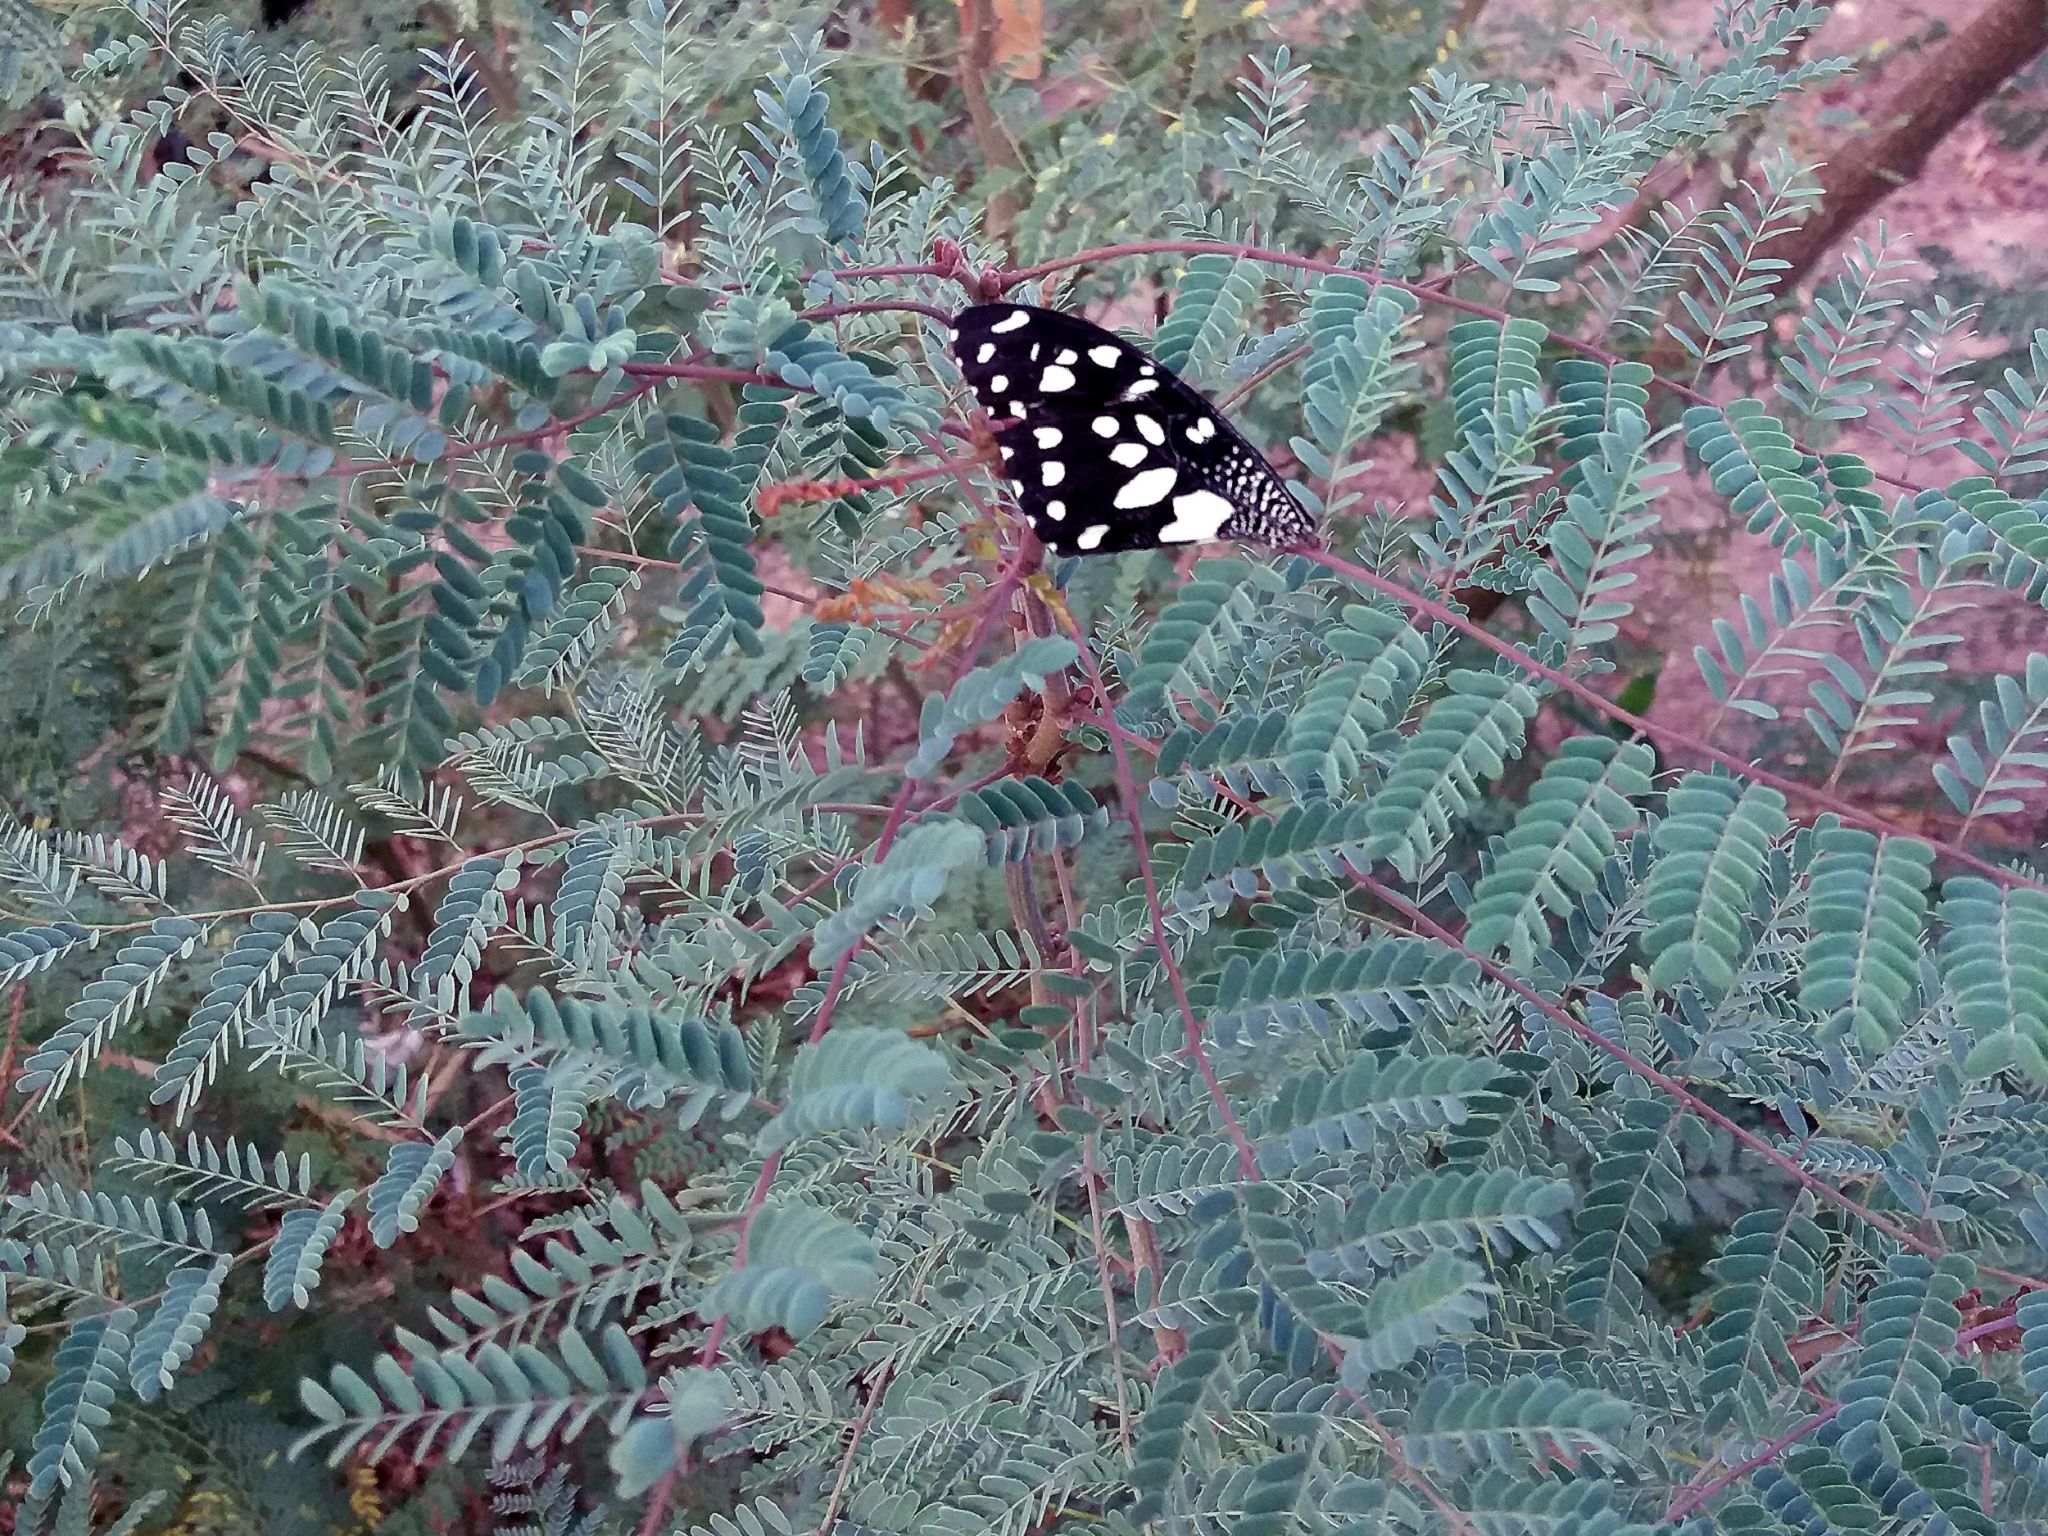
(978, 38)
(1952, 79)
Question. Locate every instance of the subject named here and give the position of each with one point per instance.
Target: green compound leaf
(1576, 815)
(85, 1378)
(856, 1079)
(908, 881)
(982, 695)
(1864, 924)
(1711, 846)
(799, 1258)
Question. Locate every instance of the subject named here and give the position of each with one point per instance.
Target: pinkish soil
(1985, 206)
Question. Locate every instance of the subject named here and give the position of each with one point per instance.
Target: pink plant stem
(1424, 292)
(657, 1501)
(835, 985)
(1686, 1503)
(1997, 1325)
(1127, 790)
(1658, 731)
(704, 371)
(878, 307)
(509, 440)
(1422, 922)
(901, 269)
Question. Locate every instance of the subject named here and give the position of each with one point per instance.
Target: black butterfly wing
(1105, 449)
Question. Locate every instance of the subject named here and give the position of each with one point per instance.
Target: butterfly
(1105, 449)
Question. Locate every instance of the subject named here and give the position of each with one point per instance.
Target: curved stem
(1423, 291)
(1655, 730)
(1685, 1504)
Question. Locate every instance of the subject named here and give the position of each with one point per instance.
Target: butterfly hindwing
(1115, 478)
(1105, 449)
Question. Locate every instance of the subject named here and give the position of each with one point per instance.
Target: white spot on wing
(1008, 454)
(1056, 510)
(952, 333)
(1196, 516)
(1016, 320)
(999, 383)
(987, 351)
(1056, 379)
(1016, 407)
(1149, 429)
(1052, 472)
(1141, 387)
(1130, 455)
(1105, 426)
(1048, 437)
(1091, 536)
(1105, 355)
(1148, 488)
(1017, 486)
(1202, 431)
(1067, 358)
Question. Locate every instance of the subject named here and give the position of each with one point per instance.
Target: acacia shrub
(1208, 1067)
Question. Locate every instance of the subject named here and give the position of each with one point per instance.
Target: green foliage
(1463, 742)
(1987, 773)
(651, 1057)
(913, 876)
(1635, 1182)
(1701, 892)
(1768, 1280)
(448, 1398)
(1736, 277)
(701, 496)
(1359, 367)
(1994, 967)
(981, 696)
(1910, 1324)
(1570, 826)
(164, 1343)
(1864, 918)
(304, 1235)
(1605, 517)
(1456, 1423)
(411, 1175)
(1215, 295)
(1023, 817)
(114, 998)
(77, 1405)
(1442, 1296)
(799, 1258)
(699, 1401)
(855, 1078)
(1839, 340)
(704, 979)
(1751, 460)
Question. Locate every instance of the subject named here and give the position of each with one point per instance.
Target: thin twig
(1663, 1081)
(1429, 295)
(1084, 1046)
(1127, 790)
(1685, 1504)
(860, 1427)
(1655, 730)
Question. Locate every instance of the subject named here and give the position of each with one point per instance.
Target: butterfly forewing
(1105, 449)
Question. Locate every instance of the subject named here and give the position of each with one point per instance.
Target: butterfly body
(1105, 449)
